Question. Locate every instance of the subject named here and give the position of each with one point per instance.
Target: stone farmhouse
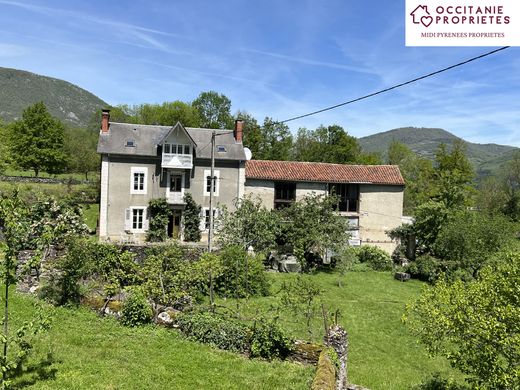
(144, 162)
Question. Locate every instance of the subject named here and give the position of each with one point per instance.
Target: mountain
(486, 158)
(68, 102)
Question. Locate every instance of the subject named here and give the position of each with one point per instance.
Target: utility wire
(396, 86)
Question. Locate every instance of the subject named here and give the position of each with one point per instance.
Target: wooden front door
(174, 224)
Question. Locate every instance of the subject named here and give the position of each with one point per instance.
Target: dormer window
(177, 149)
(130, 143)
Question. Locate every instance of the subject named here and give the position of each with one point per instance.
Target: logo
(462, 22)
(421, 15)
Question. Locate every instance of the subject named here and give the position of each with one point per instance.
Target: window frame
(130, 219)
(284, 201)
(139, 171)
(204, 222)
(216, 184)
(348, 196)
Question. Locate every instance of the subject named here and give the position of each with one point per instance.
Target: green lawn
(91, 215)
(383, 354)
(94, 353)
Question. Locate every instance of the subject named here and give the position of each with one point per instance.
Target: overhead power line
(396, 86)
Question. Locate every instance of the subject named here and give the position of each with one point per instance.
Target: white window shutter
(128, 219)
(146, 219)
(202, 224)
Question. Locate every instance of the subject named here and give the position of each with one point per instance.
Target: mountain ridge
(66, 101)
(486, 158)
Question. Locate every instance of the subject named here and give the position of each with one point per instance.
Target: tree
(453, 175)
(80, 146)
(276, 141)
(475, 325)
(430, 218)
(214, 110)
(469, 239)
(311, 226)
(329, 144)
(36, 141)
(3, 148)
(511, 180)
(251, 224)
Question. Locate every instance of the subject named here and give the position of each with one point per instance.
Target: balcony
(180, 161)
(174, 197)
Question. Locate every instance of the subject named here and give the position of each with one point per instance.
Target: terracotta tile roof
(323, 172)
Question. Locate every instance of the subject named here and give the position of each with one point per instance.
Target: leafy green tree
(469, 239)
(214, 110)
(276, 141)
(251, 224)
(453, 175)
(329, 144)
(80, 146)
(4, 156)
(430, 218)
(492, 195)
(36, 141)
(475, 325)
(311, 225)
(398, 153)
(191, 217)
(511, 186)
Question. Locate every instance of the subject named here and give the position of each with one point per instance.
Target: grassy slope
(383, 354)
(95, 353)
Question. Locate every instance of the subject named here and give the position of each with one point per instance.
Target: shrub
(436, 382)
(242, 275)
(212, 329)
(375, 257)
(426, 268)
(269, 340)
(136, 310)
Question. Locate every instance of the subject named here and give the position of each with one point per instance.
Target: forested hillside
(67, 102)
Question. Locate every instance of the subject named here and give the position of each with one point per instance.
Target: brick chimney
(105, 118)
(238, 132)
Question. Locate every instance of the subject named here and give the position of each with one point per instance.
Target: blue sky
(271, 58)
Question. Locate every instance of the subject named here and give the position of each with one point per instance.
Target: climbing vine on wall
(159, 214)
(191, 216)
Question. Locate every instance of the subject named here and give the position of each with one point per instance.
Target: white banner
(462, 22)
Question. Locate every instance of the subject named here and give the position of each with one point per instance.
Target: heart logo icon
(426, 21)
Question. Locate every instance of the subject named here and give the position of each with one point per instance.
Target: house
(370, 196)
(144, 162)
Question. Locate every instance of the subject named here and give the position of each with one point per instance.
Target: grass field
(383, 355)
(94, 353)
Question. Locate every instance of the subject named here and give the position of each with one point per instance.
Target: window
(353, 227)
(130, 143)
(284, 194)
(176, 149)
(138, 180)
(176, 183)
(207, 182)
(205, 218)
(136, 219)
(348, 196)
(221, 149)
